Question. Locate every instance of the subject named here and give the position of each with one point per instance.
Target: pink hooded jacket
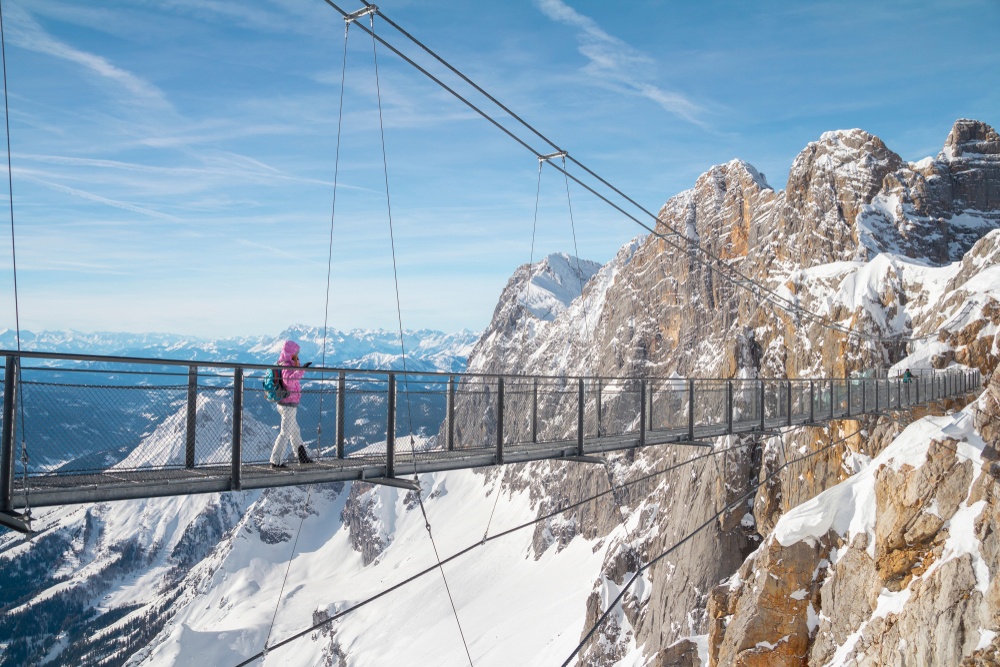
(290, 377)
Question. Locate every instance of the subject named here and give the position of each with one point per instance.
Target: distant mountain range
(426, 349)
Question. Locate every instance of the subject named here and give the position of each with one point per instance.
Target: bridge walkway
(102, 428)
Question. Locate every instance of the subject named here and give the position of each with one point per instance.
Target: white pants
(288, 435)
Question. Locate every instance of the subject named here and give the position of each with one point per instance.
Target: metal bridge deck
(111, 428)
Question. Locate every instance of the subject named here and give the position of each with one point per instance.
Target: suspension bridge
(117, 428)
(104, 428)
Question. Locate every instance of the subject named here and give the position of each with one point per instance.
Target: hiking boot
(278, 465)
(303, 456)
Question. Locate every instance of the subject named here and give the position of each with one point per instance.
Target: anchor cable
(281, 591)
(472, 547)
(13, 255)
(757, 289)
(402, 346)
(333, 216)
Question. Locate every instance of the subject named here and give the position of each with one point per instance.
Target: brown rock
(682, 654)
(769, 622)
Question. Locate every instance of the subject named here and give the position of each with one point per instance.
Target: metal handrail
(479, 418)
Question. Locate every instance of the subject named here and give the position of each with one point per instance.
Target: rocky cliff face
(892, 567)
(670, 305)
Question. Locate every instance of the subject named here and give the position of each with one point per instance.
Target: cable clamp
(552, 156)
(365, 11)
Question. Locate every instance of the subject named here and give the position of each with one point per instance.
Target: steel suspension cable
(402, 346)
(732, 505)
(333, 216)
(13, 256)
(524, 297)
(510, 531)
(756, 288)
(326, 314)
(284, 580)
(532, 129)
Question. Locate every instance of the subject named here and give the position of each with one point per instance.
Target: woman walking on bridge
(288, 407)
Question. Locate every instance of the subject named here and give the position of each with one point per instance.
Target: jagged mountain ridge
(656, 311)
(647, 312)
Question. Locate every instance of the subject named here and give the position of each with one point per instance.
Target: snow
(701, 641)
(891, 602)
(230, 620)
(962, 540)
(555, 282)
(849, 507)
(812, 618)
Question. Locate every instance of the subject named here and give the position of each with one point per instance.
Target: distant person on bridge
(907, 376)
(288, 407)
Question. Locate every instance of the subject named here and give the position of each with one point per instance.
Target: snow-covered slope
(228, 611)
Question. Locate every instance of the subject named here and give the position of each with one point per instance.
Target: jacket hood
(288, 350)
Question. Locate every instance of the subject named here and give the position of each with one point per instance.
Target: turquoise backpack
(274, 387)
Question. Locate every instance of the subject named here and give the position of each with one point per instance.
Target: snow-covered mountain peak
(554, 282)
(970, 138)
(166, 445)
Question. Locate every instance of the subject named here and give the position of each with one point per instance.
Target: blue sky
(173, 161)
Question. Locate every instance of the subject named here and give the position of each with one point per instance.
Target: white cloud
(89, 196)
(617, 65)
(25, 32)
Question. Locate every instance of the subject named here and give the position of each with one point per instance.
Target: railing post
(579, 417)
(812, 401)
(192, 414)
(237, 455)
(875, 385)
(499, 421)
(450, 399)
(390, 428)
(899, 393)
(691, 409)
(534, 409)
(650, 390)
(847, 381)
(729, 407)
(831, 398)
(642, 412)
(788, 400)
(864, 396)
(341, 416)
(9, 430)
(600, 431)
(761, 401)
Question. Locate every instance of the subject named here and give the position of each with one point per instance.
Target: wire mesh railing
(86, 415)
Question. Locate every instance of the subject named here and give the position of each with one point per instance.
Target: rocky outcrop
(937, 209)
(362, 515)
(865, 569)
